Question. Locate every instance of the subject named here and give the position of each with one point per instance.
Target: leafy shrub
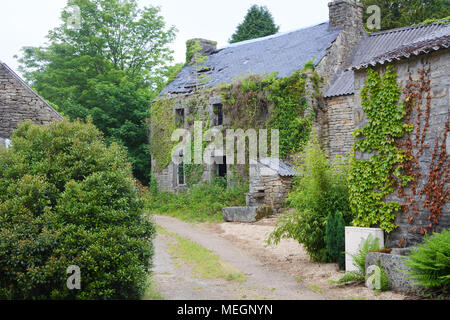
(320, 190)
(359, 261)
(67, 199)
(429, 263)
(203, 202)
(335, 238)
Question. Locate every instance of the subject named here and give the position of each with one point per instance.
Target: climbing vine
(396, 138)
(418, 100)
(271, 103)
(255, 101)
(161, 129)
(372, 180)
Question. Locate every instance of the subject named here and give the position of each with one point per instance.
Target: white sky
(27, 22)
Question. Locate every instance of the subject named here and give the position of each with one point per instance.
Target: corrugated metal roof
(283, 53)
(382, 47)
(385, 47)
(342, 84)
(283, 168)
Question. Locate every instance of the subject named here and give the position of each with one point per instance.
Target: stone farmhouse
(342, 52)
(18, 102)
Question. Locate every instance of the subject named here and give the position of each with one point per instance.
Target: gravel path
(175, 280)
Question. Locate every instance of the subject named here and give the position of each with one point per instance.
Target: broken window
(179, 118)
(218, 111)
(181, 175)
(222, 168)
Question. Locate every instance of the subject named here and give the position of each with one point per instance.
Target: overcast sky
(27, 22)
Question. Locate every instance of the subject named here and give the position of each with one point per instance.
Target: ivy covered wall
(252, 102)
(400, 177)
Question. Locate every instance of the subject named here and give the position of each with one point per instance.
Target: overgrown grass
(152, 292)
(204, 263)
(202, 203)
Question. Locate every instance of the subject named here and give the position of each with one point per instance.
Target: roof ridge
(412, 27)
(21, 81)
(276, 35)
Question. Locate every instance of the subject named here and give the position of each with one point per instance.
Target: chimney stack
(202, 46)
(346, 13)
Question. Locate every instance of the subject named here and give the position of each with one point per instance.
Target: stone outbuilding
(18, 102)
(270, 183)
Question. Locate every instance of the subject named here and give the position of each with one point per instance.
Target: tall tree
(257, 23)
(109, 68)
(401, 13)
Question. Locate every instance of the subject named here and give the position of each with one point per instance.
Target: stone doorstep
(246, 214)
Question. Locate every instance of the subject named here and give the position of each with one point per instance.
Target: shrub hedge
(67, 199)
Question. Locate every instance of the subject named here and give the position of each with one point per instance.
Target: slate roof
(283, 168)
(284, 53)
(387, 46)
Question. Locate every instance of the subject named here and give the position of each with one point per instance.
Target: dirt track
(175, 281)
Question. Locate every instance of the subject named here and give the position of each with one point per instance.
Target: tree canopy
(110, 68)
(401, 13)
(257, 23)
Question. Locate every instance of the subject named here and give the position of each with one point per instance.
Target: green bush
(335, 238)
(203, 202)
(67, 199)
(429, 263)
(320, 190)
(359, 261)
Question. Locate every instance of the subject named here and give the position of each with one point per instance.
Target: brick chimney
(346, 13)
(204, 47)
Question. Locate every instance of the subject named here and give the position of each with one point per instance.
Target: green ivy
(370, 181)
(162, 127)
(257, 102)
(271, 103)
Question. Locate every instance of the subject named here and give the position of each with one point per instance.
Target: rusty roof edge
(406, 51)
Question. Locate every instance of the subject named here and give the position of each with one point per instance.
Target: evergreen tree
(402, 13)
(258, 23)
(335, 238)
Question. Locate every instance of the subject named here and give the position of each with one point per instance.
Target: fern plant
(429, 263)
(359, 259)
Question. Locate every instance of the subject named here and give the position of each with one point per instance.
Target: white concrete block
(354, 236)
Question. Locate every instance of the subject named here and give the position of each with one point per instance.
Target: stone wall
(197, 107)
(267, 189)
(347, 16)
(19, 103)
(340, 125)
(439, 64)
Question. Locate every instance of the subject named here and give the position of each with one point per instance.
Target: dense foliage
(269, 102)
(111, 68)
(402, 13)
(67, 199)
(257, 23)
(335, 238)
(429, 263)
(371, 180)
(320, 191)
(162, 125)
(201, 202)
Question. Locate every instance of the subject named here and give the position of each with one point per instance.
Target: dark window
(218, 111)
(181, 175)
(222, 168)
(179, 118)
